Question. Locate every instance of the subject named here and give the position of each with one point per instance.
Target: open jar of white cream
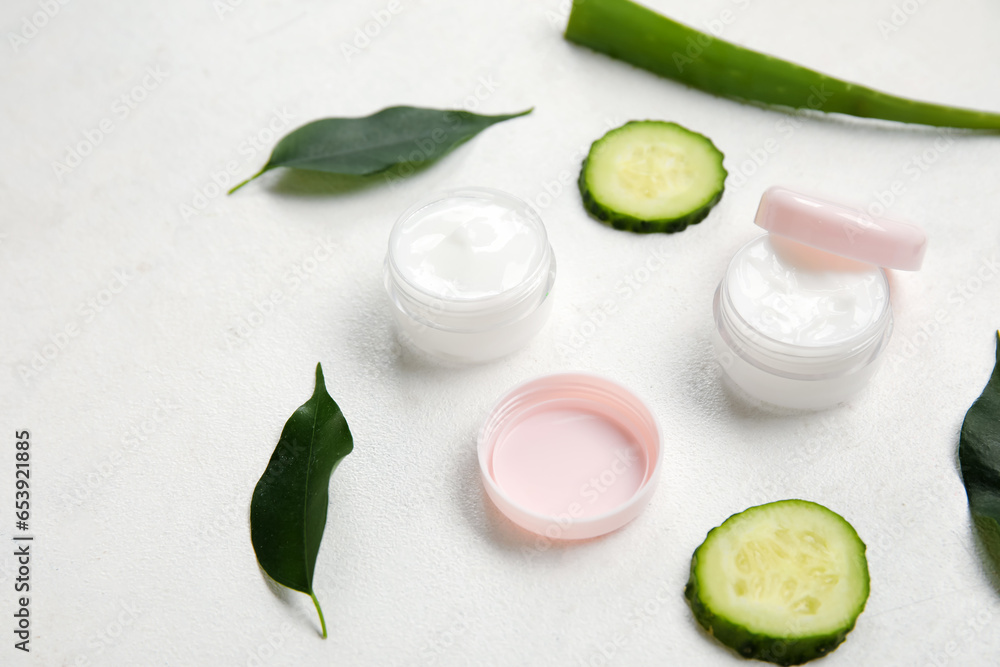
(469, 275)
(803, 313)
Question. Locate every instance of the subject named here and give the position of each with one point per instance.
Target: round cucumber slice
(652, 176)
(782, 582)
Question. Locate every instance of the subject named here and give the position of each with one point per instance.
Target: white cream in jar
(470, 275)
(801, 296)
(801, 321)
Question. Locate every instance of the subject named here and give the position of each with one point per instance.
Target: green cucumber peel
(783, 582)
(651, 176)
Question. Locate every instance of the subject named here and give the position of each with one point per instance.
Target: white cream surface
(795, 294)
(465, 248)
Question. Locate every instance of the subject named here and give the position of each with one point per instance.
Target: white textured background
(151, 425)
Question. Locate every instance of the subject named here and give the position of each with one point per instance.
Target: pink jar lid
(842, 230)
(570, 456)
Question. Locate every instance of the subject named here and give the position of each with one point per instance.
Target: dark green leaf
(979, 451)
(288, 510)
(375, 143)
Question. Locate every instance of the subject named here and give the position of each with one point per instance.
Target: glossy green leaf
(368, 145)
(288, 510)
(979, 451)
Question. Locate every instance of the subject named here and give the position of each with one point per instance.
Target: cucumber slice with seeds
(782, 582)
(652, 176)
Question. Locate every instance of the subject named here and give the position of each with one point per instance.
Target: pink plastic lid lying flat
(570, 456)
(842, 230)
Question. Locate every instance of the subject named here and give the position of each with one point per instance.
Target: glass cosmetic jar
(469, 275)
(803, 313)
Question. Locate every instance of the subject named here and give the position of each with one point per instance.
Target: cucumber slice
(652, 176)
(782, 582)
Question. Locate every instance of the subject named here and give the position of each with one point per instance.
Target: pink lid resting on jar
(570, 456)
(842, 230)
